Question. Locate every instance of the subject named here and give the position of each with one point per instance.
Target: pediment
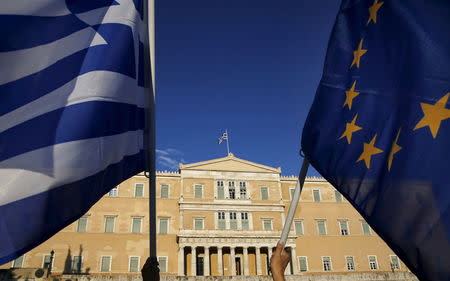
(230, 164)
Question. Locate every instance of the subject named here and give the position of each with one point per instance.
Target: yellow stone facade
(218, 217)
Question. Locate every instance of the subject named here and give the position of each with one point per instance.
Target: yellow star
(373, 10)
(350, 128)
(357, 54)
(350, 95)
(394, 149)
(369, 150)
(433, 115)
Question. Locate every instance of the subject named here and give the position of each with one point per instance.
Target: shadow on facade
(74, 263)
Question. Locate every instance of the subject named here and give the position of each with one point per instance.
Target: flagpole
(228, 145)
(150, 143)
(294, 201)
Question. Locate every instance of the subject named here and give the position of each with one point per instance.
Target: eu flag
(379, 127)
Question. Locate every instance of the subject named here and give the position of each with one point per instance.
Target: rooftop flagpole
(228, 145)
(294, 201)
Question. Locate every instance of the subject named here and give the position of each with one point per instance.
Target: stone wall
(397, 276)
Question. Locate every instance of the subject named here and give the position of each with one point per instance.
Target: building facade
(218, 217)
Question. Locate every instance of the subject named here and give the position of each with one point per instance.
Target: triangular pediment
(230, 164)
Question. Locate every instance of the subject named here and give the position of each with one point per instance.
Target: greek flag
(223, 137)
(72, 111)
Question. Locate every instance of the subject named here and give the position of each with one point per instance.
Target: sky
(247, 66)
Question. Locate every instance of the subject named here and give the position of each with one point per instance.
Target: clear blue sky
(249, 66)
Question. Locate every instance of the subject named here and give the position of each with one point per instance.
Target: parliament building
(218, 217)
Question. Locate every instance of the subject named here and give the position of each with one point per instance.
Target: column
(294, 261)
(219, 261)
(269, 252)
(233, 261)
(194, 261)
(258, 261)
(206, 262)
(246, 270)
(181, 261)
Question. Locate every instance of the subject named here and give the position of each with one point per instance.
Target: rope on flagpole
(294, 201)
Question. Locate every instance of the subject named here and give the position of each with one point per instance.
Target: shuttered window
(303, 264)
(164, 191)
(82, 224)
(105, 264)
(136, 225)
(134, 264)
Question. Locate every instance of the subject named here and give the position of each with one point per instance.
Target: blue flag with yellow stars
(379, 127)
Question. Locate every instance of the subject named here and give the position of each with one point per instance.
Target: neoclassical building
(218, 217)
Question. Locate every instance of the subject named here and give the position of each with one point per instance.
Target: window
(264, 193)
(82, 224)
(233, 220)
(373, 264)
(105, 264)
(198, 191)
(366, 228)
(316, 195)
(243, 190)
(139, 190)
(136, 225)
(109, 224)
(303, 264)
(244, 221)
(326, 261)
(395, 264)
(77, 264)
(220, 190)
(321, 227)
(162, 264)
(338, 196)
(134, 264)
(221, 220)
(163, 226)
(198, 223)
(46, 261)
(164, 191)
(231, 190)
(114, 192)
(350, 263)
(267, 224)
(18, 263)
(298, 227)
(343, 224)
(291, 192)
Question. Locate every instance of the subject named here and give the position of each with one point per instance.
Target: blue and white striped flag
(223, 137)
(72, 111)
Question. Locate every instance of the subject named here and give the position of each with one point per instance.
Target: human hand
(278, 262)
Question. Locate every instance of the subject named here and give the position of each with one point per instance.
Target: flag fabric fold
(72, 112)
(379, 127)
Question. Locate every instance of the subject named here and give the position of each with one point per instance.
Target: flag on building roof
(223, 138)
(72, 111)
(379, 127)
